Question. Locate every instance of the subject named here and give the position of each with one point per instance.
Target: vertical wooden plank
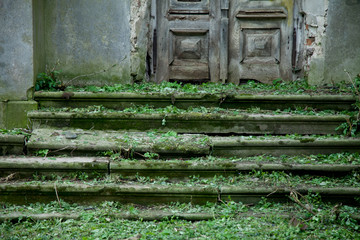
(163, 32)
(214, 44)
(224, 40)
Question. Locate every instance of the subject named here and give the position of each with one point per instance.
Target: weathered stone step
(129, 144)
(171, 144)
(12, 144)
(186, 100)
(27, 167)
(192, 122)
(277, 146)
(24, 167)
(21, 192)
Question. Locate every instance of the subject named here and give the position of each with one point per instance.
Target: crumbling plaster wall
(313, 39)
(330, 40)
(140, 34)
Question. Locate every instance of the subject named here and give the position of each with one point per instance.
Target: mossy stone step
(136, 144)
(192, 122)
(277, 146)
(129, 144)
(16, 167)
(121, 100)
(94, 167)
(12, 144)
(23, 192)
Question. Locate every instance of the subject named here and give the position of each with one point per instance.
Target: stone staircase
(147, 148)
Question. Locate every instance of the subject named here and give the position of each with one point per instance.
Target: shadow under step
(211, 123)
(137, 144)
(21, 193)
(123, 100)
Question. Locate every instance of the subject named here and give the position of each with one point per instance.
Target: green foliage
(231, 221)
(42, 152)
(278, 87)
(351, 126)
(151, 155)
(48, 81)
(16, 131)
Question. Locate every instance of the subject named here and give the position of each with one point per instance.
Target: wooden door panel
(188, 40)
(260, 40)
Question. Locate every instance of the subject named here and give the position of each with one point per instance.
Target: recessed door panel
(260, 40)
(188, 40)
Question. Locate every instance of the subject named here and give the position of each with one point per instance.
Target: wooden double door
(224, 40)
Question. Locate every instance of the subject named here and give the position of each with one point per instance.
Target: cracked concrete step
(136, 144)
(24, 167)
(186, 100)
(23, 192)
(192, 122)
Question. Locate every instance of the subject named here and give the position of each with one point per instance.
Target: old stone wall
(342, 41)
(16, 62)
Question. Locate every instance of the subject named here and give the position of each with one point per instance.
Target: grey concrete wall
(343, 40)
(87, 37)
(16, 50)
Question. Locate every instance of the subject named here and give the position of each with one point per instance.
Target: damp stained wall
(16, 50)
(87, 37)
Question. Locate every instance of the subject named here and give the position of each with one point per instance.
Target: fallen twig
(8, 178)
(57, 195)
(295, 198)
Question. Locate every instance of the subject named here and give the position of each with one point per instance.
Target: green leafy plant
(49, 80)
(42, 152)
(151, 155)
